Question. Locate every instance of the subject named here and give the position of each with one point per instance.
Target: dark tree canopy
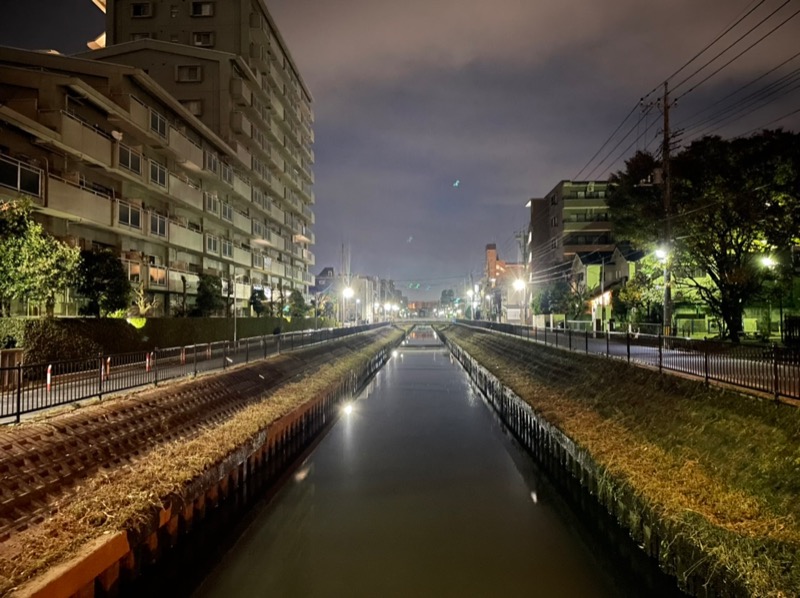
(209, 299)
(733, 201)
(103, 283)
(297, 304)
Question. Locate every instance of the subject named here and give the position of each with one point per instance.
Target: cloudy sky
(506, 97)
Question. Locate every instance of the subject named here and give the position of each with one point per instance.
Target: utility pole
(667, 215)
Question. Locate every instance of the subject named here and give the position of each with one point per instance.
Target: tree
(209, 296)
(732, 201)
(34, 266)
(102, 281)
(447, 298)
(642, 295)
(143, 303)
(257, 301)
(297, 304)
(279, 298)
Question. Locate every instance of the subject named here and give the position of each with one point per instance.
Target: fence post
(586, 339)
(247, 350)
(705, 360)
(155, 366)
(776, 380)
(608, 343)
(225, 355)
(628, 343)
(545, 335)
(569, 338)
(660, 352)
(194, 360)
(99, 374)
(19, 391)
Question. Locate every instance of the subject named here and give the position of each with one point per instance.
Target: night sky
(506, 97)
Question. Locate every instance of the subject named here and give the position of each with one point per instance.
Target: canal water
(418, 491)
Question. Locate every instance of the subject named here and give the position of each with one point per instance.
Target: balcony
(276, 268)
(241, 92)
(309, 257)
(185, 238)
(86, 140)
(277, 105)
(140, 114)
(242, 187)
(277, 187)
(79, 201)
(242, 222)
(570, 203)
(241, 125)
(176, 284)
(588, 226)
(276, 213)
(20, 177)
(187, 151)
(242, 153)
(242, 257)
(308, 214)
(184, 191)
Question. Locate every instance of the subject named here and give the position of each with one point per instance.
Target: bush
(12, 332)
(47, 341)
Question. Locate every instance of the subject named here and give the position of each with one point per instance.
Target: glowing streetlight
(347, 293)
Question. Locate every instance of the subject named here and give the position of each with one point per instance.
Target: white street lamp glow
(519, 284)
(348, 292)
(768, 261)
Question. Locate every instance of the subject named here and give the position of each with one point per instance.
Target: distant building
(572, 218)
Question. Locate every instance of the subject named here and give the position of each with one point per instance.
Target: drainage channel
(419, 491)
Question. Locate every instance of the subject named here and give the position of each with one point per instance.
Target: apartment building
(228, 64)
(112, 160)
(571, 219)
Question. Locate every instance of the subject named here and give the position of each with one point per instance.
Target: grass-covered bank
(126, 498)
(719, 469)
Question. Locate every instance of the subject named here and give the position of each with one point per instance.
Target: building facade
(111, 160)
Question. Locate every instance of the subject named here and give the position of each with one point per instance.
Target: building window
(258, 228)
(212, 203)
(202, 9)
(211, 162)
(130, 159)
(227, 249)
(189, 73)
(130, 215)
(227, 174)
(158, 124)
(141, 10)
(158, 174)
(212, 244)
(204, 39)
(227, 212)
(158, 275)
(195, 107)
(135, 36)
(158, 225)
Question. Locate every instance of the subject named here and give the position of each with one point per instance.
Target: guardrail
(765, 368)
(32, 387)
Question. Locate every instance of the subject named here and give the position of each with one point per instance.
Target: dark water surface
(419, 492)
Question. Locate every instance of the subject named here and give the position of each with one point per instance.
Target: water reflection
(414, 494)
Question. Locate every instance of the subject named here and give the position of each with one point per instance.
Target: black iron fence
(765, 368)
(26, 388)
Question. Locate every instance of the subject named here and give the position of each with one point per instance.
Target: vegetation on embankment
(126, 498)
(719, 468)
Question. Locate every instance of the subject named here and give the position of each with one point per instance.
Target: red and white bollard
(183, 355)
(49, 376)
(147, 363)
(108, 367)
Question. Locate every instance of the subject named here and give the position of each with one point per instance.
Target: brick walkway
(40, 462)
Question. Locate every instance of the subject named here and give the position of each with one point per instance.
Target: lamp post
(770, 263)
(663, 256)
(519, 285)
(358, 311)
(346, 294)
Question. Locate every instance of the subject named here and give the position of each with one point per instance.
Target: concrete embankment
(125, 510)
(704, 480)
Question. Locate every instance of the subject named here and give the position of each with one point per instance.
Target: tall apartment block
(185, 146)
(571, 219)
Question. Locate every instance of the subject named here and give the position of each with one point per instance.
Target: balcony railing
(20, 177)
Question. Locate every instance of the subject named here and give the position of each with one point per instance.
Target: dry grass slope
(126, 498)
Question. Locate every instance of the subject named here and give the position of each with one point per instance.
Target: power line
(772, 122)
(606, 142)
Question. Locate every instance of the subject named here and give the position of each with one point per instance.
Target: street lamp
(663, 256)
(235, 277)
(770, 263)
(347, 293)
(358, 311)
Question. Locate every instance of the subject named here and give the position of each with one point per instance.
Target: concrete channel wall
(101, 568)
(561, 457)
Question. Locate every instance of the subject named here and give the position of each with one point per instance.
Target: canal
(418, 491)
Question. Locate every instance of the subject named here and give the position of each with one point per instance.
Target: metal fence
(26, 388)
(764, 368)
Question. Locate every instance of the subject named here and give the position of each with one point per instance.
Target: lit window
(189, 73)
(158, 275)
(202, 9)
(203, 39)
(141, 9)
